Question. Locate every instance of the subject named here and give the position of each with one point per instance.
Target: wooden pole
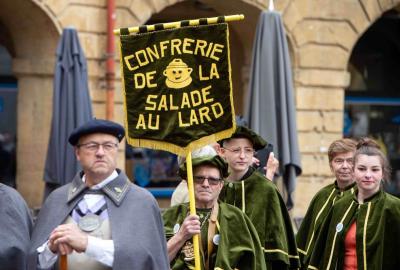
(63, 262)
(177, 24)
(192, 206)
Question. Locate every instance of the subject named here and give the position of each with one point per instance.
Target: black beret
(244, 132)
(215, 161)
(97, 126)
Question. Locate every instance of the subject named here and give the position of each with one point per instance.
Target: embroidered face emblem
(178, 74)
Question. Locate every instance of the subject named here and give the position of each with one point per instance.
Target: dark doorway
(372, 103)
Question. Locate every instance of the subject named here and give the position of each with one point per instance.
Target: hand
(271, 167)
(190, 227)
(67, 237)
(255, 161)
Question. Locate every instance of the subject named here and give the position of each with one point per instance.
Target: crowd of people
(101, 220)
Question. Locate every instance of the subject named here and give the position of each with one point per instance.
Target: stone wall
(321, 34)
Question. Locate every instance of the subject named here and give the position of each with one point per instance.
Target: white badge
(176, 228)
(339, 227)
(216, 239)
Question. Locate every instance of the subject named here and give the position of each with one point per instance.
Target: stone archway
(323, 34)
(32, 40)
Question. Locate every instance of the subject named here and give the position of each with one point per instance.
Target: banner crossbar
(178, 24)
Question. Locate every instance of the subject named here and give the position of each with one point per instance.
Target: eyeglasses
(199, 179)
(237, 151)
(94, 146)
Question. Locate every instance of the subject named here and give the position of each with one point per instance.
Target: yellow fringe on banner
(181, 151)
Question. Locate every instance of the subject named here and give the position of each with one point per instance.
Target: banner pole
(169, 25)
(192, 206)
(63, 262)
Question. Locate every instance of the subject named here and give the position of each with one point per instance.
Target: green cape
(239, 246)
(319, 208)
(261, 201)
(377, 235)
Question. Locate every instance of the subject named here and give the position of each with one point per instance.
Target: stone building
(321, 35)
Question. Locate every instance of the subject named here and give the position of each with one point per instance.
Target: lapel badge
(216, 239)
(339, 227)
(117, 189)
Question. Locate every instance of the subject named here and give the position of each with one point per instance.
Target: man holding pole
(100, 220)
(228, 240)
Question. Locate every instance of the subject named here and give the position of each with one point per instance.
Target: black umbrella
(71, 108)
(270, 109)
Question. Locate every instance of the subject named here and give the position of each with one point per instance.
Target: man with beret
(100, 220)
(228, 240)
(247, 189)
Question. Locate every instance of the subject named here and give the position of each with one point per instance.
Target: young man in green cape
(253, 194)
(228, 240)
(340, 154)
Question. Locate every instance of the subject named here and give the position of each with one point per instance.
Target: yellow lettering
(204, 114)
(141, 123)
(196, 98)
(163, 47)
(216, 49)
(193, 118)
(206, 92)
(163, 103)
(214, 108)
(140, 80)
(185, 101)
(149, 78)
(150, 102)
(152, 53)
(181, 124)
(214, 71)
(187, 42)
(201, 77)
(171, 102)
(144, 61)
(210, 46)
(175, 43)
(157, 125)
(200, 45)
(128, 64)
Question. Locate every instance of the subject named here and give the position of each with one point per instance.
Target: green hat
(244, 132)
(215, 161)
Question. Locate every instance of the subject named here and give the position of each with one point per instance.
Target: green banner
(177, 87)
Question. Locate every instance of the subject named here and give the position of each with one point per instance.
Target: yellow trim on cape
(301, 251)
(312, 267)
(280, 251)
(334, 238)
(315, 221)
(365, 237)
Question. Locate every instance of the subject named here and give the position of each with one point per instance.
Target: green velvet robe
(377, 234)
(319, 208)
(261, 201)
(238, 248)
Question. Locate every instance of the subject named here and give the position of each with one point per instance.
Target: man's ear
(76, 149)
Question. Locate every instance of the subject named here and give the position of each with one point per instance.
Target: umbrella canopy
(71, 108)
(270, 109)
